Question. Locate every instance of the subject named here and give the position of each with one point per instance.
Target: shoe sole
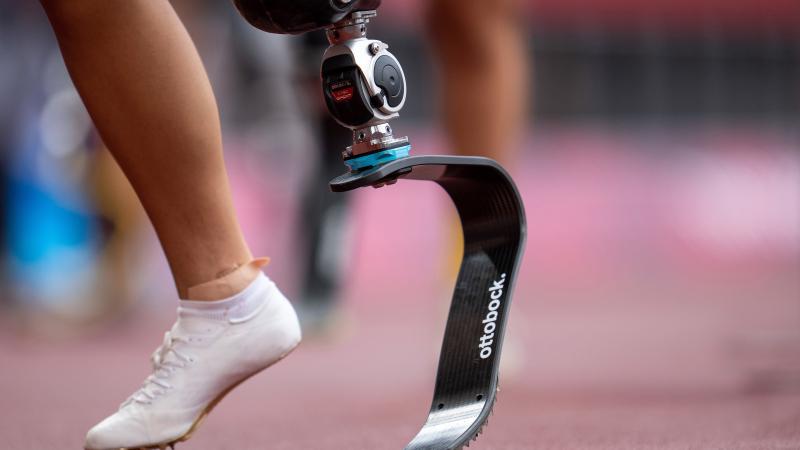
(207, 410)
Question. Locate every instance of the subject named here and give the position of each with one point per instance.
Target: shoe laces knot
(166, 359)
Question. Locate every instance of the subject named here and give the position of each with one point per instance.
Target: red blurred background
(659, 300)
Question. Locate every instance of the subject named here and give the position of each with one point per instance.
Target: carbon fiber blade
(493, 220)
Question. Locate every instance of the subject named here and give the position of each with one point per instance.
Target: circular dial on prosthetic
(362, 88)
(363, 83)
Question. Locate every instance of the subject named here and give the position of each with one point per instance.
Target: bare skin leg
(144, 85)
(483, 74)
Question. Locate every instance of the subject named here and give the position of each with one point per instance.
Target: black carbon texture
(493, 220)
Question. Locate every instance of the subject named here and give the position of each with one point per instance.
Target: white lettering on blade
(489, 325)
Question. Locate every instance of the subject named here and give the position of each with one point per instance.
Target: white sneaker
(204, 356)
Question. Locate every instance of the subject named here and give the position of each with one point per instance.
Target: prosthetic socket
(299, 16)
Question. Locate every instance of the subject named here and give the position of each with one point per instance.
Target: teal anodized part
(377, 158)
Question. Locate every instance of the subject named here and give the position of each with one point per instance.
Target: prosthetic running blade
(493, 221)
(364, 87)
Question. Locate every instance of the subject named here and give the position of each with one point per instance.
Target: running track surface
(651, 313)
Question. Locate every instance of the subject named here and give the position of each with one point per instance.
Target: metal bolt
(374, 48)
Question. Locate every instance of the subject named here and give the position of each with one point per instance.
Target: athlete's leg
(142, 81)
(483, 83)
(144, 85)
(483, 73)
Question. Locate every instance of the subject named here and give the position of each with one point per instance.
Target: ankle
(228, 283)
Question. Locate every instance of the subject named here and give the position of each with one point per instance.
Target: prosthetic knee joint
(363, 83)
(364, 88)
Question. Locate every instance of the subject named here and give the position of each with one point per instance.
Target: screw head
(374, 48)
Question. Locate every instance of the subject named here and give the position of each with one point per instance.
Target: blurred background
(658, 305)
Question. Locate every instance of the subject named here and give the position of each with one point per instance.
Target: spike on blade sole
(480, 430)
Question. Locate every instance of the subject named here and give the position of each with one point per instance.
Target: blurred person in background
(483, 74)
(322, 217)
(483, 80)
(69, 218)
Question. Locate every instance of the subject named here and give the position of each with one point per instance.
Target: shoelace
(162, 369)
